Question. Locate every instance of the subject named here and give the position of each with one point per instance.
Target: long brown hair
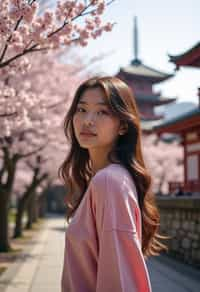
(76, 170)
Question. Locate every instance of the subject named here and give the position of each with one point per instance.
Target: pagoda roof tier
(180, 123)
(154, 99)
(190, 57)
(138, 70)
(150, 116)
(148, 126)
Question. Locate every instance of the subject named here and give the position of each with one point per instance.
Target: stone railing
(191, 186)
(180, 219)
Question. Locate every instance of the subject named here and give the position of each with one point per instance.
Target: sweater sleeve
(121, 266)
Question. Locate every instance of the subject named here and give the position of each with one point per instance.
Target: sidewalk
(168, 274)
(39, 269)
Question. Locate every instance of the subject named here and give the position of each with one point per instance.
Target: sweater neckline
(109, 165)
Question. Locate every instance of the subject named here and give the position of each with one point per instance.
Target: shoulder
(114, 199)
(116, 179)
(113, 173)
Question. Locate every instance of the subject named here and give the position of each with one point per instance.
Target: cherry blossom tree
(34, 117)
(29, 105)
(164, 160)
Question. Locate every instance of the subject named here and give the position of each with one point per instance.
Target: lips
(88, 133)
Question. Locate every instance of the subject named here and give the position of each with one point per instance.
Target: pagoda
(141, 79)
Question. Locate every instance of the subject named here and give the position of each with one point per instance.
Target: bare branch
(8, 115)
(33, 152)
(55, 104)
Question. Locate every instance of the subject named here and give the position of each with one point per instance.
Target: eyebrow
(84, 102)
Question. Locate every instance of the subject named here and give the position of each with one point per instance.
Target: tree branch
(8, 115)
(32, 152)
(9, 38)
(33, 48)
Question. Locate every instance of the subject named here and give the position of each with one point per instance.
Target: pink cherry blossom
(164, 160)
(101, 7)
(108, 27)
(23, 31)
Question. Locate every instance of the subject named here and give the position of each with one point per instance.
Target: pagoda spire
(136, 60)
(135, 38)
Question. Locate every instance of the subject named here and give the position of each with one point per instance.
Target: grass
(12, 215)
(2, 269)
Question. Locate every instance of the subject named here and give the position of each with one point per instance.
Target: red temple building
(188, 127)
(189, 58)
(141, 79)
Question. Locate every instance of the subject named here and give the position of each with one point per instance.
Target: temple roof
(148, 125)
(139, 70)
(190, 57)
(154, 99)
(168, 124)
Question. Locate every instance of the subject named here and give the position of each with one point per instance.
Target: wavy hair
(76, 170)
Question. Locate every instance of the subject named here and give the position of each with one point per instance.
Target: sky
(165, 27)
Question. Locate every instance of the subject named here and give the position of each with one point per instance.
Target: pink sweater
(103, 239)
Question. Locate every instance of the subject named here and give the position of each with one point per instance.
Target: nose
(89, 118)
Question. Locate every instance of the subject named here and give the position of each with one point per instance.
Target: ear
(123, 128)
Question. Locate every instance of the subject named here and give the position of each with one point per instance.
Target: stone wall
(180, 219)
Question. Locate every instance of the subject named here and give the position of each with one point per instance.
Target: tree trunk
(27, 202)
(5, 194)
(42, 205)
(9, 168)
(31, 211)
(19, 217)
(4, 237)
(22, 204)
(29, 214)
(35, 208)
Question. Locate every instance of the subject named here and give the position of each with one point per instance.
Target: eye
(80, 109)
(103, 112)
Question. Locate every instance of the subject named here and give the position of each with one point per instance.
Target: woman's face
(93, 115)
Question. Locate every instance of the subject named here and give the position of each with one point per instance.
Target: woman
(116, 221)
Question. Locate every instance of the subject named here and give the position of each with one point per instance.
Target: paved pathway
(169, 275)
(39, 269)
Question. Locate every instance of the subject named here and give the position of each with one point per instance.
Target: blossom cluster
(32, 102)
(24, 30)
(35, 104)
(17, 108)
(164, 161)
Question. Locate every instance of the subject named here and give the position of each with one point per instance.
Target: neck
(98, 166)
(99, 160)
